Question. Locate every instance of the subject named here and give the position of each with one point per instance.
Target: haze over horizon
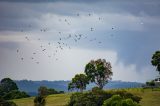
(55, 39)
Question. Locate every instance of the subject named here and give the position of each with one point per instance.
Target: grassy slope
(52, 100)
(149, 98)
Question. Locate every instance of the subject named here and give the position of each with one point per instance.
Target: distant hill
(31, 86)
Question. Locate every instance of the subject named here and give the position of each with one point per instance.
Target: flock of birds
(60, 44)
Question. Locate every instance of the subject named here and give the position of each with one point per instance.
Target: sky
(55, 39)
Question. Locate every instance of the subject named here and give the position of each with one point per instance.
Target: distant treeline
(31, 86)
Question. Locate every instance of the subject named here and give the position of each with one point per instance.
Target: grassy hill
(149, 98)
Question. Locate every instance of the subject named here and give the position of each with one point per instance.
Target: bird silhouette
(43, 49)
(91, 29)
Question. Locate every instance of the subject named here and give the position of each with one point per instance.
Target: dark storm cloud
(136, 7)
(19, 13)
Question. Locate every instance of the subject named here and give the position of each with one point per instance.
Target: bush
(126, 95)
(151, 83)
(6, 103)
(117, 100)
(44, 91)
(15, 94)
(82, 99)
(96, 97)
(61, 92)
(39, 101)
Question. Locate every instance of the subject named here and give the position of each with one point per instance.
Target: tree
(156, 60)
(7, 85)
(79, 82)
(39, 101)
(99, 71)
(42, 91)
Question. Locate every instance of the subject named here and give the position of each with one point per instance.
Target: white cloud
(131, 73)
(70, 62)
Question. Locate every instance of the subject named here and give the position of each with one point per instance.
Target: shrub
(96, 97)
(44, 91)
(117, 100)
(39, 101)
(6, 103)
(126, 95)
(61, 92)
(15, 94)
(151, 83)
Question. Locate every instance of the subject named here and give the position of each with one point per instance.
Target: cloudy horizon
(124, 33)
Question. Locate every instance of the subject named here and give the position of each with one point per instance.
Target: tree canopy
(8, 85)
(99, 71)
(9, 90)
(156, 60)
(78, 82)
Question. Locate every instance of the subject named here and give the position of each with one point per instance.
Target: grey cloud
(21, 12)
(9, 45)
(131, 46)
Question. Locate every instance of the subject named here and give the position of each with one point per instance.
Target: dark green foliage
(96, 97)
(117, 100)
(61, 92)
(7, 85)
(52, 91)
(6, 103)
(156, 60)
(99, 71)
(9, 90)
(78, 82)
(44, 91)
(39, 101)
(15, 94)
(126, 95)
(150, 83)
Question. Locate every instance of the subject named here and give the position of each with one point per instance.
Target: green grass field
(51, 100)
(149, 98)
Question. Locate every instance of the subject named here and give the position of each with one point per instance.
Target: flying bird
(43, 49)
(91, 29)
